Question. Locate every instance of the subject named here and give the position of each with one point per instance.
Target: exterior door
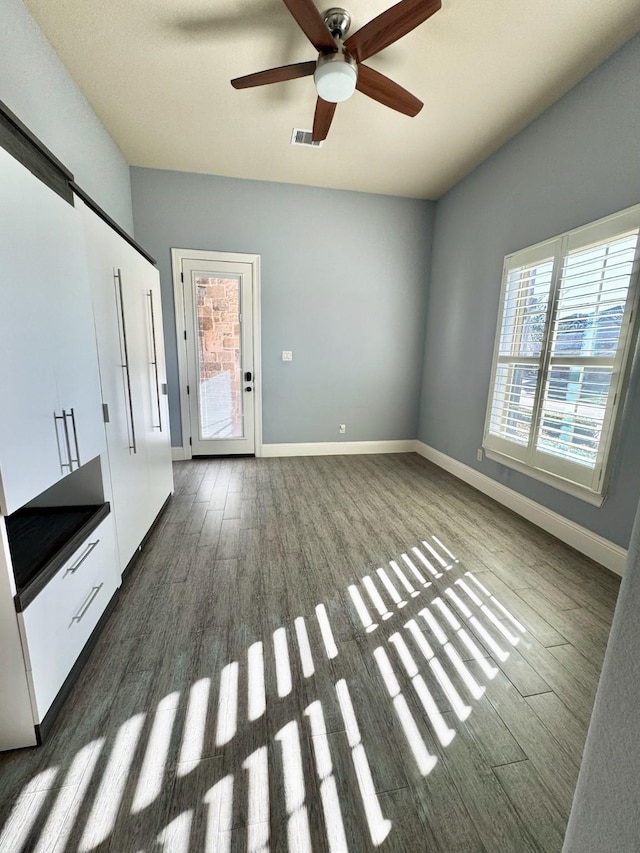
(218, 301)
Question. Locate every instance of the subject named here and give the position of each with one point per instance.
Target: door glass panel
(219, 356)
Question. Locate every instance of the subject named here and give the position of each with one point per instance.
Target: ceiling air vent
(303, 137)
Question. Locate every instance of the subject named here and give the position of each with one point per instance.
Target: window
(560, 359)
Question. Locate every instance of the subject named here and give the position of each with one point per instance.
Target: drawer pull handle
(73, 569)
(92, 596)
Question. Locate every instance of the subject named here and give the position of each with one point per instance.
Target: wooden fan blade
(389, 27)
(384, 90)
(310, 22)
(275, 75)
(322, 120)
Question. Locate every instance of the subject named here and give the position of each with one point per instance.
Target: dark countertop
(42, 539)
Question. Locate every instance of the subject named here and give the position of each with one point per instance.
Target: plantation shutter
(563, 337)
(518, 359)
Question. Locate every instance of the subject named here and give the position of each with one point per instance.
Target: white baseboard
(177, 454)
(596, 547)
(337, 448)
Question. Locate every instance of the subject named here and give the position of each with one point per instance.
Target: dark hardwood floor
(335, 653)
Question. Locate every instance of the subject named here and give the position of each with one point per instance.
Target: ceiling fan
(340, 69)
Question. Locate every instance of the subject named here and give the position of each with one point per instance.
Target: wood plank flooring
(325, 654)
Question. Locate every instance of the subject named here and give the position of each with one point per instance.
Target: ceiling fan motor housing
(338, 21)
(336, 76)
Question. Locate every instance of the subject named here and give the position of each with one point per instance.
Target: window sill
(569, 488)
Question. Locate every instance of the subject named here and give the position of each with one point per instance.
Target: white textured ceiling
(157, 74)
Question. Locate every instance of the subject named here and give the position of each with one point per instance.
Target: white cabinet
(48, 358)
(128, 320)
(57, 624)
(80, 326)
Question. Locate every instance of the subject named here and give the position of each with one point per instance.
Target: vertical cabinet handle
(67, 439)
(71, 414)
(67, 443)
(125, 366)
(155, 359)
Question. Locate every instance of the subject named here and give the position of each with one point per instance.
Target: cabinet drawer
(58, 623)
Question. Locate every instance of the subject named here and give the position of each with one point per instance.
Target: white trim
(337, 448)
(178, 454)
(596, 547)
(177, 256)
(573, 489)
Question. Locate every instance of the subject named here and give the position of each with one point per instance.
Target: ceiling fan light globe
(335, 81)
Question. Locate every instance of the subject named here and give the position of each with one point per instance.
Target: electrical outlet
(343, 429)
(479, 454)
(287, 355)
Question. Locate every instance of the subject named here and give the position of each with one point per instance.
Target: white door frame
(177, 256)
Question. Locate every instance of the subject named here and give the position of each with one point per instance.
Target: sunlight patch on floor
(298, 832)
(425, 761)
(195, 725)
(69, 799)
(155, 758)
(306, 658)
(26, 810)
(326, 632)
(328, 791)
(388, 585)
(227, 704)
(428, 565)
(444, 734)
(403, 579)
(106, 804)
(376, 598)
(219, 802)
(256, 694)
(367, 622)
(283, 666)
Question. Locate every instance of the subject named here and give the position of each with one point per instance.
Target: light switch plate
(287, 355)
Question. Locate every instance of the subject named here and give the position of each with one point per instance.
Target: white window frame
(588, 484)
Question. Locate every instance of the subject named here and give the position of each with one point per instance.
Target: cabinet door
(111, 267)
(39, 245)
(154, 411)
(76, 361)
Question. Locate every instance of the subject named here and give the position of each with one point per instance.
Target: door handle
(247, 376)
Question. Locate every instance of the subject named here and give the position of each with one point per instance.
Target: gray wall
(605, 813)
(579, 161)
(343, 285)
(35, 86)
